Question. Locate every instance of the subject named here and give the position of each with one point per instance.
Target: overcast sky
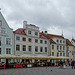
(54, 16)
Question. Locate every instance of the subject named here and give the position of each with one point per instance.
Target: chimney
(42, 32)
(45, 32)
(24, 24)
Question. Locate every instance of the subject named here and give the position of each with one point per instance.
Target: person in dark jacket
(72, 64)
(61, 64)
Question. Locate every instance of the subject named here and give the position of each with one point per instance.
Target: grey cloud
(52, 15)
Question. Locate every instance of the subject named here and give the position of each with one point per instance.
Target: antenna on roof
(62, 33)
(72, 36)
(0, 9)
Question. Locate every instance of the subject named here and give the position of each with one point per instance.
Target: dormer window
(29, 32)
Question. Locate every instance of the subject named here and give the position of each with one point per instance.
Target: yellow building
(59, 46)
(70, 48)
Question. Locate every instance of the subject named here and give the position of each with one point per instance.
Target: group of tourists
(70, 63)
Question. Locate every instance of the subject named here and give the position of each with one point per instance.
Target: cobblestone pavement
(38, 71)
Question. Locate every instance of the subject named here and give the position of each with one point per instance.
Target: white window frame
(35, 33)
(57, 47)
(19, 38)
(28, 48)
(64, 48)
(4, 29)
(36, 41)
(60, 47)
(45, 42)
(35, 48)
(10, 50)
(29, 38)
(29, 32)
(23, 47)
(63, 54)
(10, 40)
(57, 41)
(52, 54)
(46, 49)
(60, 54)
(19, 47)
(41, 48)
(52, 47)
(23, 38)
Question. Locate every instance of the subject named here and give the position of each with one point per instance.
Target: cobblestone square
(38, 71)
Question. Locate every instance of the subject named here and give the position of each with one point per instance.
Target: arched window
(0, 23)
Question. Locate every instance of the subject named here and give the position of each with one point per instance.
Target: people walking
(72, 64)
(61, 64)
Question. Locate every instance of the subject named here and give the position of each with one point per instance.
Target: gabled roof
(20, 31)
(51, 41)
(47, 37)
(68, 42)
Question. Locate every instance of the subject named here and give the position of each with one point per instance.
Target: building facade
(6, 38)
(70, 48)
(59, 49)
(57, 45)
(73, 42)
(29, 41)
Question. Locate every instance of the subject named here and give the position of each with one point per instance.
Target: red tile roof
(20, 31)
(41, 35)
(68, 42)
(52, 35)
(47, 37)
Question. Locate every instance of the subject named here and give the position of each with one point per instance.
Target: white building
(29, 41)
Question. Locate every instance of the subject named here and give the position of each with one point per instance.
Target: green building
(6, 38)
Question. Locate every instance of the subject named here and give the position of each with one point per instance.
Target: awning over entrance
(9, 56)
